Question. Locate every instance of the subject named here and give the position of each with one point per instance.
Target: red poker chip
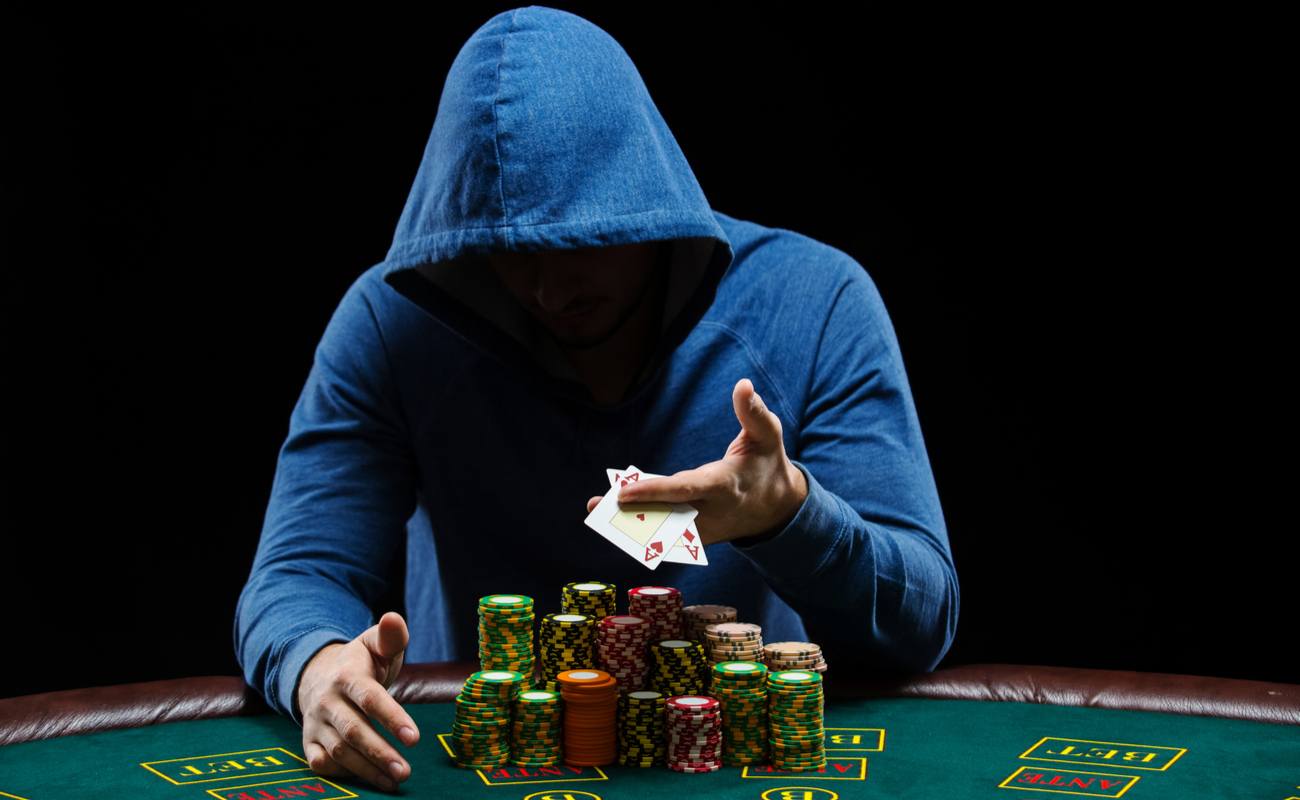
(709, 738)
(694, 703)
(696, 720)
(696, 757)
(690, 769)
(622, 620)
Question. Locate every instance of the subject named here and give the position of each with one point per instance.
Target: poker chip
(741, 690)
(734, 641)
(794, 655)
(621, 643)
(641, 729)
(661, 605)
(505, 633)
(536, 732)
(596, 599)
(689, 688)
(679, 666)
(693, 728)
(695, 618)
(565, 641)
(796, 719)
(481, 728)
(590, 726)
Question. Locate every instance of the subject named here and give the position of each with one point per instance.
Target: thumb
(386, 640)
(756, 420)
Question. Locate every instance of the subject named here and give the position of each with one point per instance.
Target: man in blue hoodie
(559, 298)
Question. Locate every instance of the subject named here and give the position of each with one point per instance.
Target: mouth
(578, 311)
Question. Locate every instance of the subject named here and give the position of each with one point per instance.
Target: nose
(559, 301)
(560, 290)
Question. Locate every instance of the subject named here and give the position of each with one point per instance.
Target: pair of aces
(651, 533)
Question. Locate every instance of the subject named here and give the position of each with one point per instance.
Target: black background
(1059, 212)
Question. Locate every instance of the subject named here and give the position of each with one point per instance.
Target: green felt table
(908, 746)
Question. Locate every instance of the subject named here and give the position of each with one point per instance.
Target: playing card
(645, 531)
(689, 549)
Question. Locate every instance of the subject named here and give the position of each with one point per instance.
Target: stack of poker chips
(662, 605)
(680, 667)
(536, 733)
(641, 729)
(741, 688)
(734, 641)
(694, 727)
(568, 641)
(621, 650)
(795, 720)
(505, 633)
(590, 717)
(480, 732)
(696, 618)
(794, 655)
(596, 599)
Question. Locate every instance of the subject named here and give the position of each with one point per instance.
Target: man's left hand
(753, 490)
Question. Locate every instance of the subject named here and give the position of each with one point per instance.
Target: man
(560, 298)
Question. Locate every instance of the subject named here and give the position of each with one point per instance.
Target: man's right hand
(342, 687)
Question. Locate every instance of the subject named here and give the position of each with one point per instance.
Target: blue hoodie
(436, 413)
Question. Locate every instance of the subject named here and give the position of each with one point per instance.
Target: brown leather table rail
(41, 716)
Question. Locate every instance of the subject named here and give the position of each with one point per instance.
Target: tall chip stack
(536, 733)
(694, 728)
(567, 641)
(480, 731)
(696, 618)
(794, 655)
(678, 667)
(621, 643)
(596, 599)
(741, 689)
(590, 717)
(734, 641)
(505, 633)
(662, 605)
(641, 729)
(796, 716)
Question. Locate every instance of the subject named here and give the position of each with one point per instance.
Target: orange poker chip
(590, 719)
(583, 677)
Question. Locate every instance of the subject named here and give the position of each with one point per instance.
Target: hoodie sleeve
(344, 487)
(867, 565)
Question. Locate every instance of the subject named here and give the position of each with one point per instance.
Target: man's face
(581, 296)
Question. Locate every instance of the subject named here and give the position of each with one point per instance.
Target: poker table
(972, 731)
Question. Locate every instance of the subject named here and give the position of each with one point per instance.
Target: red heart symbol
(641, 517)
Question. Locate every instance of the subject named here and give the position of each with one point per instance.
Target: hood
(546, 138)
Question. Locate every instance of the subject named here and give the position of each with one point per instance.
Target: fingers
(320, 761)
(683, 487)
(375, 701)
(388, 637)
(592, 503)
(753, 414)
(358, 743)
(330, 752)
